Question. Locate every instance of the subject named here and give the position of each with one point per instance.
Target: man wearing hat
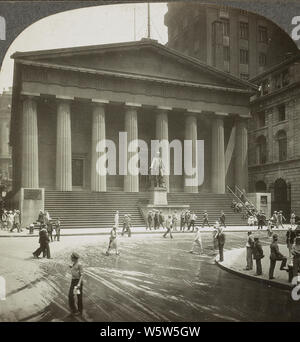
(249, 251)
(220, 236)
(44, 244)
(258, 254)
(275, 255)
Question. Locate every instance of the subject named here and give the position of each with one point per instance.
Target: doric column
(218, 156)
(131, 180)
(30, 159)
(98, 179)
(63, 147)
(191, 181)
(241, 154)
(162, 134)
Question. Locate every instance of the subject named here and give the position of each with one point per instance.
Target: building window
(262, 59)
(244, 30)
(262, 150)
(226, 53)
(282, 145)
(244, 77)
(281, 112)
(244, 56)
(226, 27)
(261, 119)
(262, 34)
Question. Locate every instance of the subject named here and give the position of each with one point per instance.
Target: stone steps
(80, 209)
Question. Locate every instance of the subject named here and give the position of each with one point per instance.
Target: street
(153, 279)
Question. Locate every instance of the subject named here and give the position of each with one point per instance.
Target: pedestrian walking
(221, 242)
(57, 228)
(76, 287)
(249, 251)
(197, 241)
(150, 219)
(281, 219)
(258, 254)
(44, 244)
(222, 219)
(168, 227)
(126, 225)
(113, 241)
(275, 255)
(205, 219)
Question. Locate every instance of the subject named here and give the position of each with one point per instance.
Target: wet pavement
(154, 279)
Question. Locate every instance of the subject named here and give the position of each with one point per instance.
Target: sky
(87, 26)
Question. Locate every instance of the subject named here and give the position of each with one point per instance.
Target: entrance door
(78, 172)
(282, 198)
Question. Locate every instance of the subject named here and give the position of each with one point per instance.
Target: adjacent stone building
(233, 40)
(274, 135)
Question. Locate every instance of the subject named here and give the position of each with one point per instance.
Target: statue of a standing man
(157, 170)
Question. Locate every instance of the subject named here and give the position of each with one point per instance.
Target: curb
(265, 281)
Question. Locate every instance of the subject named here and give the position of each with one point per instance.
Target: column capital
(132, 105)
(60, 98)
(163, 109)
(99, 102)
(220, 115)
(29, 96)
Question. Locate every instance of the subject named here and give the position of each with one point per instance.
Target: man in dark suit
(221, 242)
(44, 244)
(258, 254)
(275, 255)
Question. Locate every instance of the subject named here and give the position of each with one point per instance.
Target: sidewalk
(106, 231)
(235, 262)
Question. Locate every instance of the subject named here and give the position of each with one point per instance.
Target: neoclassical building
(67, 100)
(274, 133)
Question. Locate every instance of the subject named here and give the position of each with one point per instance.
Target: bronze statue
(157, 171)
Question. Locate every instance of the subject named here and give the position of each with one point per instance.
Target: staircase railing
(242, 193)
(245, 209)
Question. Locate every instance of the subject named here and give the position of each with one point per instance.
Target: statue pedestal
(159, 196)
(159, 201)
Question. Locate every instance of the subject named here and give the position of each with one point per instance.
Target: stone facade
(74, 97)
(274, 134)
(5, 151)
(233, 40)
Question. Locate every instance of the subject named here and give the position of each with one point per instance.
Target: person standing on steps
(205, 219)
(222, 219)
(76, 287)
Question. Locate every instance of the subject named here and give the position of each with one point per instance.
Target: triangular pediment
(146, 57)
